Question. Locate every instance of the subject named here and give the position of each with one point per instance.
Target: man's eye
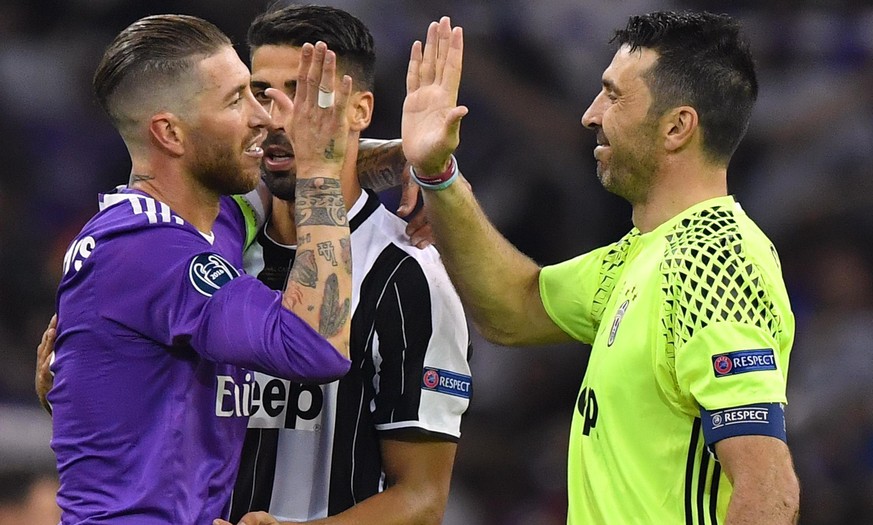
(261, 96)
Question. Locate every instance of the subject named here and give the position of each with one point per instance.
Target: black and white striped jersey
(312, 451)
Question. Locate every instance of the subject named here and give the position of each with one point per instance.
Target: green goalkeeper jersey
(690, 328)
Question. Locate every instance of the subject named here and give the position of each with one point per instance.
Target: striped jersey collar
(125, 194)
(366, 204)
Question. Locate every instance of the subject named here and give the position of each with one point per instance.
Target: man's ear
(360, 110)
(680, 124)
(166, 132)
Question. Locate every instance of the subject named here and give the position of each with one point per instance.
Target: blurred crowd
(804, 173)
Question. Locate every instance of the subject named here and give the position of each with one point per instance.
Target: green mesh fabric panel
(707, 278)
(609, 271)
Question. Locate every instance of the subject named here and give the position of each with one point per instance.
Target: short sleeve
(731, 364)
(424, 378)
(575, 292)
(723, 327)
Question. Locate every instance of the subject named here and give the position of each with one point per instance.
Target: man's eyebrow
(610, 86)
(239, 90)
(290, 85)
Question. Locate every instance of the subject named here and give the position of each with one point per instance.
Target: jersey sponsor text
(279, 403)
(231, 399)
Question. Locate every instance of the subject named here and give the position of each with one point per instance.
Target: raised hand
(431, 117)
(319, 288)
(316, 120)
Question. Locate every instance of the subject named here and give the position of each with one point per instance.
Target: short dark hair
(153, 51)
(703, 62)
(344, 34)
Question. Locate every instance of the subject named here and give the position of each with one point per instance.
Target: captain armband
(760, 419)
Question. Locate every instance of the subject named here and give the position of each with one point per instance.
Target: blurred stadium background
(804, 173)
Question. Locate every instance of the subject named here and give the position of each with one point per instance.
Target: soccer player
(680, 414)
(378, 446)
(155, 322)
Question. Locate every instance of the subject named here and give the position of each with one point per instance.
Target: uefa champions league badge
(209, 271)
(447, 382)
(743, 361)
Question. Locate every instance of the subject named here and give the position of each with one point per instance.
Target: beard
(219, 168)
(631, 169)
(282, 184)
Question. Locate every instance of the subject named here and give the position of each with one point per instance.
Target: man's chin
(280, 184)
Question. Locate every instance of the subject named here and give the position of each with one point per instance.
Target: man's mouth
(602, 145)
(254, 149)
(278, 158)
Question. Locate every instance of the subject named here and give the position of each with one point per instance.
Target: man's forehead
(223, 69)
(628, 67)
(276, 56)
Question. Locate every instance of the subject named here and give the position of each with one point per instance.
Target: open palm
(431, 117)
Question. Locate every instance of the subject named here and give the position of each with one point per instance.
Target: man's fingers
(44, 352)
(302, 91)
(282, 103)
(451, 75)
(409, 192)
(47, 343)
(420, 231)
(422, 237)
(444, 36)
(258, 518)
(413, 80)
(328, 72)
(428, 63)
(344, 93)
(416, 223)
(314, 77)
(454, 116)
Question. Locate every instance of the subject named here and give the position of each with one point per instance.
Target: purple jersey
(157, 331)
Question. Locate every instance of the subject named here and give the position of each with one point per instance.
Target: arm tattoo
(333, 314)
(304, 271)
(346, 254)
(319, 202)
(328, 151)
(379, 179)
(380, 167)
(325, 249)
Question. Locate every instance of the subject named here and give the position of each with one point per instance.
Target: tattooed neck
(136, 177)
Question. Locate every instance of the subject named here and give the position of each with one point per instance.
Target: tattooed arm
(380, 164)
(319, 286)
(320, 279)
